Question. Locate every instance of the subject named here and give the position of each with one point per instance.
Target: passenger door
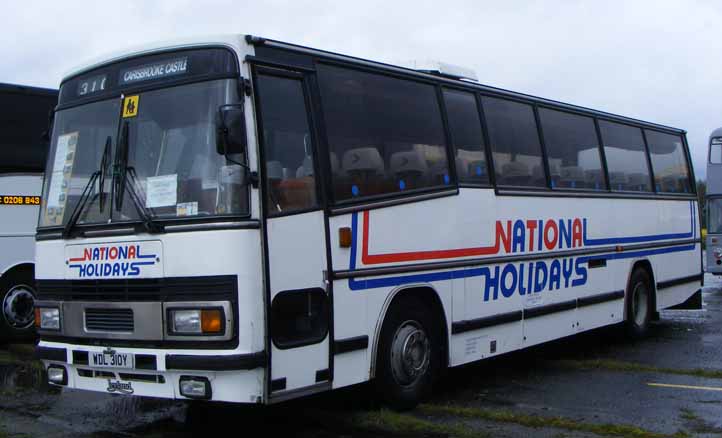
(297, 298)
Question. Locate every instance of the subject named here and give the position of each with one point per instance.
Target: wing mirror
(231, 135)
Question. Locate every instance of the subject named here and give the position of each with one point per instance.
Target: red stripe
(78, 259)
(372, 259)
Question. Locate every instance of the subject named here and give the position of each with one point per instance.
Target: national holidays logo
(125, 260)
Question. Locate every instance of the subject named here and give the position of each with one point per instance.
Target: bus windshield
(171, 153)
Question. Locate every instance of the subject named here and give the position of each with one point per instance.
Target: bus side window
(669, 162)
(288, 152)
(572, 145)
(626, 157)
(715, 151)
(515, 143)
(466, 136)
(385, 134)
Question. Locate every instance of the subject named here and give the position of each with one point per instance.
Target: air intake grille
(109, 320)
(215, 288)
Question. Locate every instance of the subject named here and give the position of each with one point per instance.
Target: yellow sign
(19, 200)
(130, 106)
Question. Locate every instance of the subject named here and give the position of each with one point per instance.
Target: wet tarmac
(594, 384)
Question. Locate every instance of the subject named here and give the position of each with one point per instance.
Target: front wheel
(639, 304)
(408, 355)
(17, 301)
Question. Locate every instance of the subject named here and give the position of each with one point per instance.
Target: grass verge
(537, 421)
(405, 424)
(615, 365)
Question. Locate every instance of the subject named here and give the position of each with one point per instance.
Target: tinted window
(714, 218)
(573, 150)
(385, 135)
(626, 157)
(514, 142)
(299, 317)
(290, 180)
(23, 120)
(715, 150)
(466, 137)
(669, 162)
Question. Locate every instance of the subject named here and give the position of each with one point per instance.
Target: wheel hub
(410, 353)
(640, 304)
(18, 307)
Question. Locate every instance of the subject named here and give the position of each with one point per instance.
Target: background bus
(283, 221)
(24, 116)
(713, 200)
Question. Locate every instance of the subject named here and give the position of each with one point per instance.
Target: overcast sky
(658, 61)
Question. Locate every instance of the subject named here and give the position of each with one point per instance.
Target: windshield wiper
(145, 214)
(98, 175)
(120, 178)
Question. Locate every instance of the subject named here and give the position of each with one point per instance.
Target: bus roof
(465, 83)
(25, 89)
(236, 42)
(716, 133)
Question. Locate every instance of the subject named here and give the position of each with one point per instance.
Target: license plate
(113, 360)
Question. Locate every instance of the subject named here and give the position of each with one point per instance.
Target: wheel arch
(429, 297)
(18, 268)
(646, 265)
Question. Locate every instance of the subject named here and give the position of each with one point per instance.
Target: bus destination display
(157, 70)
(92, 85)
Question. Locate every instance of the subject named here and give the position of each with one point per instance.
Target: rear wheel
(639, 303)
(17, 303)
(409, 355)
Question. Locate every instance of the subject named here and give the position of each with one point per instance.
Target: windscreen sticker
(60, 177)
(130, 106)
(162, 191)
(186, 209)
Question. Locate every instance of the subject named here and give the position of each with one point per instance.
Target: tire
(409, 355)
(639, 304)
(17, 298)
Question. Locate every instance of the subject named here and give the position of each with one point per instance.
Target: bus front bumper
(231, 377)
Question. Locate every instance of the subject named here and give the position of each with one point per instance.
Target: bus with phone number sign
(246, 220)
(24, 117)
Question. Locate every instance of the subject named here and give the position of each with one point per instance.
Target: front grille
(109, 320)
(212, 288)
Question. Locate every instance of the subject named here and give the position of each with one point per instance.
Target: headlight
(195, 387)
(57, 375)
(47, 318)
(196, 321)
(717, 140)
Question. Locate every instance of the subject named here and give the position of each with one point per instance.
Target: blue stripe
(374, 283)
(641, 239)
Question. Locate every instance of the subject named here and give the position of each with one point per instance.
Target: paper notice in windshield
(186, 209)
(162, 191)
(60, 177)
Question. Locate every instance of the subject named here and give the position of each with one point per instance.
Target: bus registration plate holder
(112, 359)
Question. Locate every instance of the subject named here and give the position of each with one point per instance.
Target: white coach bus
(247, 220)
(24, 115)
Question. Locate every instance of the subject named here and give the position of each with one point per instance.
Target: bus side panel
(17, 227)
(670, 272)
(677, 274)
(559, 296)
(349, 316)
